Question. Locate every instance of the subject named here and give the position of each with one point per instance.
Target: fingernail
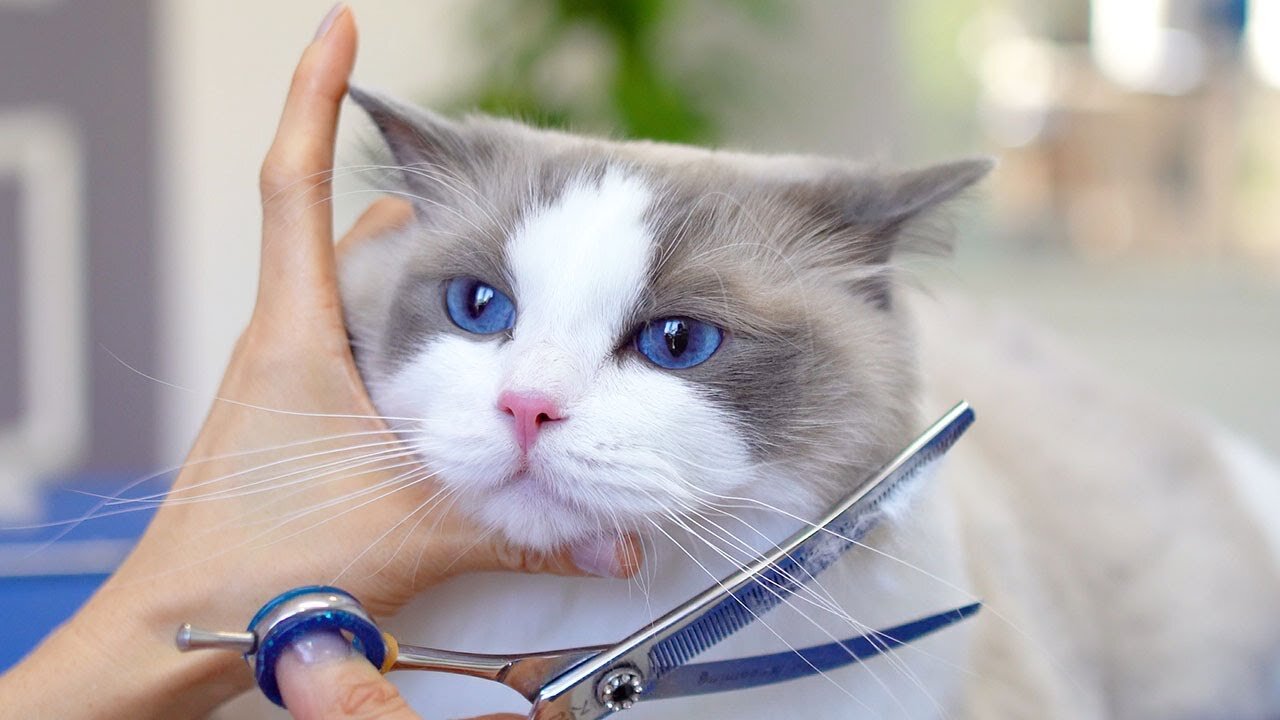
(603, 557)
(321, 648)
(327, 22)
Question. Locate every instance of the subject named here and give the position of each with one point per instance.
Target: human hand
(321, 678)
(294, 478)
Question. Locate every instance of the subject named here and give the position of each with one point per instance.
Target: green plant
(618, 51)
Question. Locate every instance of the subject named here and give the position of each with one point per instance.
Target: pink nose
(529, 410)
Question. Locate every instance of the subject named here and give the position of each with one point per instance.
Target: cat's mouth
(533, 509)
(530, 485)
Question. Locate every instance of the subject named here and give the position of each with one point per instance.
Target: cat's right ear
(428, 149)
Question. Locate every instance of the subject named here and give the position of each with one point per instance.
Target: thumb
(322, 678)
(613, 557)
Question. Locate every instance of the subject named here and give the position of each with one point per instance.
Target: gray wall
(10, 324)
(92, 62)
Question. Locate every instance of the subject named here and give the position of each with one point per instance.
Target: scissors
(653, 663)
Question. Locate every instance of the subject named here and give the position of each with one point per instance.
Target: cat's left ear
(880, 208)
(875, 213)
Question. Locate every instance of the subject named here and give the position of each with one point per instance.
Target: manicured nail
(605, 557)
(321, 648)
(327, 22)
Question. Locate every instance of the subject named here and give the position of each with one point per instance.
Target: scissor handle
(305, 610)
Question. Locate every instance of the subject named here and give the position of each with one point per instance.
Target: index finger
(297, 232)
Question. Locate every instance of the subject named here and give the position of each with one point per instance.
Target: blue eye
(477, 307)
(677, 343)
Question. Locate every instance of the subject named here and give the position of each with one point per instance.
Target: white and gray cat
(705, 346)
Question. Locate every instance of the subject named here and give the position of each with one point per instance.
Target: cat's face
(581, 337)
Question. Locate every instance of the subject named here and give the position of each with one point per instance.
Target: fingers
(605, 557)
(601, 557)
(297, 241)
(378, 219)
(322, 678)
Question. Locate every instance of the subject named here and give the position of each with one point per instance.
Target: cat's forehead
(579, 263)
(685, 235)
(729, 223)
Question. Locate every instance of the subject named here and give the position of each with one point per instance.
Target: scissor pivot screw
(620, 689)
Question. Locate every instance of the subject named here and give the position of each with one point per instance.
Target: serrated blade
(743, 597)
(749, 672)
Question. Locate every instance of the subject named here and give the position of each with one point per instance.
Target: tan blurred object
(1183, 171)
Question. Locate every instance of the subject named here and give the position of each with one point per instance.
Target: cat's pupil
(676, 333)
(480, 300)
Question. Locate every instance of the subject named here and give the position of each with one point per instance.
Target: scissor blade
(750, 672)
(743, 597)
(775, 577)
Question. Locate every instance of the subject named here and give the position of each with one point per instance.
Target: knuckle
(247, 349)
(244, 342)
(278, 173)
(360, 695)
(298, 80)
(258, 338)
(521, 558)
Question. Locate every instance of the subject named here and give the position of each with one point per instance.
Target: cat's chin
(533, 519)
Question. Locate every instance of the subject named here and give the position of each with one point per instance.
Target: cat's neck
(911, 562)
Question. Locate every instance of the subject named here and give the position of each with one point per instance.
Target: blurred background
(1136, 209)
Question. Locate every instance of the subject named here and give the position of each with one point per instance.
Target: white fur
(578, 267)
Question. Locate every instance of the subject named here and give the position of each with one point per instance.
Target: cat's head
(590, 335)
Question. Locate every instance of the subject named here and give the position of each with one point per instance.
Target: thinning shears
(653, 663)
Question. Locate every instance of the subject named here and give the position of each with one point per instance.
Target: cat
(707, 347)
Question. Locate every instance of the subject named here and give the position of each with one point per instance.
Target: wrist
(168, 682)
(117, 659)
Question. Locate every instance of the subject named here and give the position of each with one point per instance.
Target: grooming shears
(653, 663)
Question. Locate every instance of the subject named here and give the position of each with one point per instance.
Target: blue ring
(288, 595)
(366, 637)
